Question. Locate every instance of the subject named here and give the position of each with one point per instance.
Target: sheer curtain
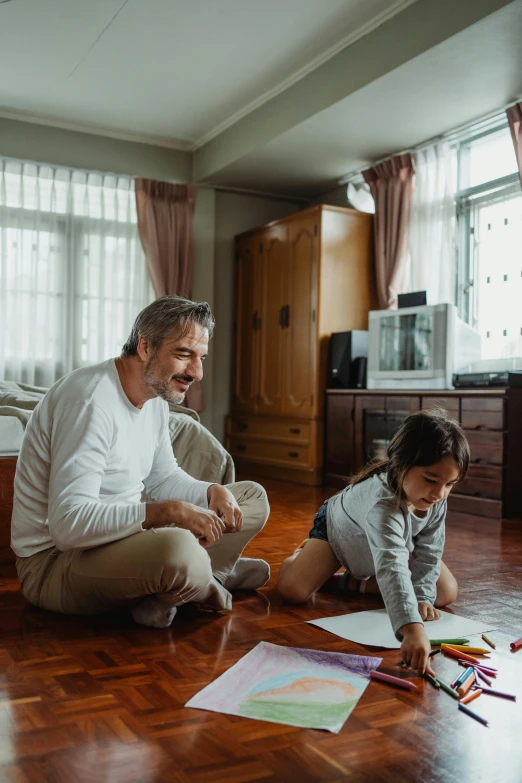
(73, 274)
(433, 224)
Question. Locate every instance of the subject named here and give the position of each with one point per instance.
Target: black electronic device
(488, 380)
(413, 299)
(348, 357)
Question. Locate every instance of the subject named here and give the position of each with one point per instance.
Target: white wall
(235, 213)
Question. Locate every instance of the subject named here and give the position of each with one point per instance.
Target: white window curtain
(433, 248)
(72, 270)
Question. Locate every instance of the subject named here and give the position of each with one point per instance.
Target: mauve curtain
(165, 216)
(391, 187)
(514, 115)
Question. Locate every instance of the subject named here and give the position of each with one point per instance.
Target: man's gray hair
(167, 317)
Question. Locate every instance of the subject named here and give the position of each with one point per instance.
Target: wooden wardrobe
(297, 280)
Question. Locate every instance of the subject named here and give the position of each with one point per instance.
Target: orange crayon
(461, 655)
(470, 696)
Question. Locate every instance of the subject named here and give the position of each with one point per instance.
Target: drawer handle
(241, 447)
(295, 430)
(293, 453)
(481, 427)
(477, 461)
(242, 426)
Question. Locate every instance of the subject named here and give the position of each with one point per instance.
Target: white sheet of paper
(374, 628)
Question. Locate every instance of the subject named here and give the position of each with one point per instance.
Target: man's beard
(162, 386)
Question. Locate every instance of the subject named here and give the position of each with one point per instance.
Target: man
(85, 542)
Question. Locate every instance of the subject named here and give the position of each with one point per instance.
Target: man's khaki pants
(168, 562)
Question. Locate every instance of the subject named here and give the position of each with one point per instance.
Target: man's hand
(223, 503)
(416, 647)
(428, 612)
(203, 523)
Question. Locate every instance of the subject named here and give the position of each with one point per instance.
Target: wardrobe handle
(255, 326)
(293, 453)
(282, 317)
(295, 430)
(287, 316)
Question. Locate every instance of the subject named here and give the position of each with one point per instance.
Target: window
(72, 271)
(489, 204)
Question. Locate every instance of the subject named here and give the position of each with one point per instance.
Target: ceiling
(464, 78)
(286, 96)
(172, 70)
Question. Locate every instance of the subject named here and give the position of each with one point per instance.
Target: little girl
(389, 524)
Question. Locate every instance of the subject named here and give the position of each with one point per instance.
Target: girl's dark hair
(424, 438)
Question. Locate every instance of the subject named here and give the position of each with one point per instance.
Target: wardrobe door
(248, 266)
(300, 319)
(274, 248)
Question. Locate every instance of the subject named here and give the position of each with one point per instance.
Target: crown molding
(98, 130)
(355, 35)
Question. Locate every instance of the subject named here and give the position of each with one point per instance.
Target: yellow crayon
(489, 641)
(464, 648)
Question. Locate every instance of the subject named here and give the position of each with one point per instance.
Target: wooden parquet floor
(100, 699)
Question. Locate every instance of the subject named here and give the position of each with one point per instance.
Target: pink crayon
(516, 645)
(409, 686)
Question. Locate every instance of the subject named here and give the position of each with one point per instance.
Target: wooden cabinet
(297, 281)
(492, 423)
(7, 474)
(299, 334)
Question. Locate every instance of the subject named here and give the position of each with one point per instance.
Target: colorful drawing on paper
(299, 687)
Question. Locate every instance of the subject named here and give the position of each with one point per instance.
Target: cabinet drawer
(483, 481)
(271, 428)
(486, 446)
(271, 452)
(483, 414)
(449, 404)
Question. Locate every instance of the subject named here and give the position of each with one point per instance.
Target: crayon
(483, 677)
(487, 669)
(464, 676)
(466, 649)
(489, 641)
(410, 686)
(465, 686)
(502, 695)
(472, 714)
(432, 679)
(447, 688)
(470, 696)
(516, 645)
(438, 642)
(460, 655)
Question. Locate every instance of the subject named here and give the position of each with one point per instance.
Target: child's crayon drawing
(299, 687)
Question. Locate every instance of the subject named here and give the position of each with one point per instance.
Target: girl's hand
(416, 647)
(428, 612)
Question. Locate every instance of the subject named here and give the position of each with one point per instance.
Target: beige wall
(234, 213)
(45, 144)
(335, 198)
(203, 282)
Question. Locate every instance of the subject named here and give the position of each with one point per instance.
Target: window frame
(467, 200)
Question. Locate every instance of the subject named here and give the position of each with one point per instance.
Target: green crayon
(447, 688)
(436, 642)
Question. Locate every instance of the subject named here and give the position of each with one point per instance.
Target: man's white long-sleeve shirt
(86, 457)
